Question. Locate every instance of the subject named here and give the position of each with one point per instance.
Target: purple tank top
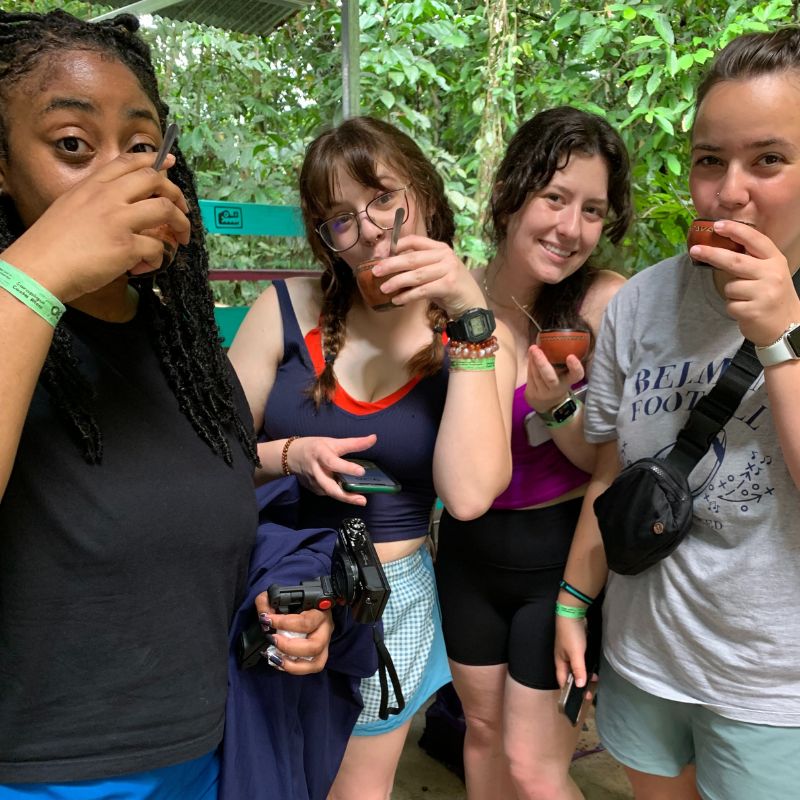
(538, 473)
(406, 432)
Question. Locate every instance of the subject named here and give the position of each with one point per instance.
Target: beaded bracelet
(285, 455)
(31, 293)
(570, 611)
(577, 594)
(472, 349)
(472, 364)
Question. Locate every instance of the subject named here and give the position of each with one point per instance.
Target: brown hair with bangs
(358, 145)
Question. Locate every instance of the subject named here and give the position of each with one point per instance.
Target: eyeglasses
(341, 232)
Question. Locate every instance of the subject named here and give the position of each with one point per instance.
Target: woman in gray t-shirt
(701, 685)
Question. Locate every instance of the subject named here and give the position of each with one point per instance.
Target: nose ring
(717, 195)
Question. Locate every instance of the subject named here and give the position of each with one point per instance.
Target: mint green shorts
(734, 760)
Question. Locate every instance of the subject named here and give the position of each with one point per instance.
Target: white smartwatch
(786, 348)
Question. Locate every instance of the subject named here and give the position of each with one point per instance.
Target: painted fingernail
(276, 660)
(265, 619)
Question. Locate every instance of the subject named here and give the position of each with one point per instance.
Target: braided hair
(358, 145)
(176, 303)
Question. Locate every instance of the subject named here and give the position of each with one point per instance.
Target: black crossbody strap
(712, 412)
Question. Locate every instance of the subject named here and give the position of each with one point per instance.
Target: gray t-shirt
(715, 623)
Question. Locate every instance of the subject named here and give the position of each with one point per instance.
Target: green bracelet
(472, 364)
(570, 611)
(31, 293)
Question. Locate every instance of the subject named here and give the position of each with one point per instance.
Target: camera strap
(385, 664)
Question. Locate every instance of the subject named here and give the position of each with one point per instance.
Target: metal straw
(526, 313)
(169, 139)
(399, 216)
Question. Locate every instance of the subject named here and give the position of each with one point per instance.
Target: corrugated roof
(245, 16)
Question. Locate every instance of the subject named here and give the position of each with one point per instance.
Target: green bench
(247, 219)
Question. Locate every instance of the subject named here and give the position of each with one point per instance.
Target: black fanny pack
(647, 511)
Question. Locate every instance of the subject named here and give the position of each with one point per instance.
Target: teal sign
(251, 219)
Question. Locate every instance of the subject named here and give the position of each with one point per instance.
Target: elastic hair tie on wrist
(577, 594)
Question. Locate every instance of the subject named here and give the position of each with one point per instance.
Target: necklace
(514, 300)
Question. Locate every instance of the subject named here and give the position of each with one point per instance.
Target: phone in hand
(570, 701)
(373, 481)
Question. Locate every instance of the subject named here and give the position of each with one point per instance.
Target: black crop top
(406, 430)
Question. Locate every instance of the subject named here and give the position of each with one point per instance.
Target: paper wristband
(31, 293)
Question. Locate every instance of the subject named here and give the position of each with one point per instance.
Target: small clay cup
(558, 343)
(701, 231)
(370, 286)
(166, 235)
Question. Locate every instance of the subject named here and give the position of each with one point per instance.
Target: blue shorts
(734, 760)
(412, 630)
(192, 780)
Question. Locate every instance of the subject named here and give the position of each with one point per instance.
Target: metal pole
(351, 71)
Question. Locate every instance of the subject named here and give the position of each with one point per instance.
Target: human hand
(315, 459)
(300, 641)
(546, 387)
(426, 269)
(570, 650)
(758, 286)
(91, 234)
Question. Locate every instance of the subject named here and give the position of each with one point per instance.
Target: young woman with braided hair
(126, 451)
(318, 362)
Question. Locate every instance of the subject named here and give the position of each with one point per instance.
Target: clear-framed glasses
(341, 232)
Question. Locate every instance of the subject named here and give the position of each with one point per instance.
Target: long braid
(181, 315)
(428, 361)
(338, 288)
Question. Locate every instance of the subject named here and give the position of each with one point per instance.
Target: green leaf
(673, 164)
(663, 28)
(590, 42)
(566, 21)
(685, 61)
(665, 124)
(629, 13)
(653, 82)
(387, 98)
(635, 93)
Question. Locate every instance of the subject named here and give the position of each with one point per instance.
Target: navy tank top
(406, 430)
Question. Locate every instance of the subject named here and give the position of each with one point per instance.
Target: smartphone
(373, 481)
(570, 702)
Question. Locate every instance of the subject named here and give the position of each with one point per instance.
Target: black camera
(357, 579)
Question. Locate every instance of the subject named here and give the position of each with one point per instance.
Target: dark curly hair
(542, 145)
(358, 145)
(180, 314)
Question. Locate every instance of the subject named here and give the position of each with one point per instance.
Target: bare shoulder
(604, 286)
(306, 297)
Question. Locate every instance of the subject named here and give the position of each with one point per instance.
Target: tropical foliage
(459, 76)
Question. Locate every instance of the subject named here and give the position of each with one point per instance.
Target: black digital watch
(475, 325)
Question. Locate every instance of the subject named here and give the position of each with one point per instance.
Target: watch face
(793, 340)
(565, 410)
(478, 327)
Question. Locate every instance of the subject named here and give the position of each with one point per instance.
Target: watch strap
(553, 419)
(780, 350)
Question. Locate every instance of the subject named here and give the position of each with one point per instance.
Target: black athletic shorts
(498, 580)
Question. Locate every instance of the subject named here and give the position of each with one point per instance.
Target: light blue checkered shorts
(412, 630)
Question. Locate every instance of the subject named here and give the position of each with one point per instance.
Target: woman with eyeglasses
(328, 377)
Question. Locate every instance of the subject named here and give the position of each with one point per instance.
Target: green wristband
(31, 293)
(472, 364)
(570, 611)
